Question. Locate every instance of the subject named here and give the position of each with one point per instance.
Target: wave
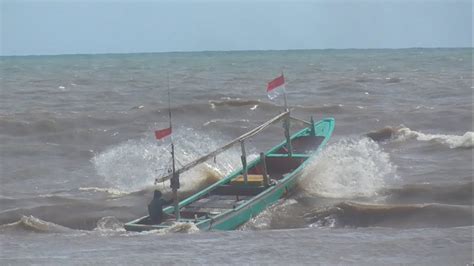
(283, 214)
(16, 127)
(225, 121)
(176, 227)
(365, 79)
(237, 102)
(269, 106)
(329, 109)
(188, 228)
(452, 141)
(110, 191)
(355, 214)
(80, 214)
(393, 80)
(403, 134)
(109, 224)
(31, 223)
(350, 168)
(382, 134)
(67, 126)
(448, 193)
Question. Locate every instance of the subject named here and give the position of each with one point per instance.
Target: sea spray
(134, 164)
(349, 168)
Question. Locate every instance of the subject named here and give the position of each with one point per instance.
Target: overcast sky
(65, 27)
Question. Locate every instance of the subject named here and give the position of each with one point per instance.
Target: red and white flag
(159, 134)
(276, 87)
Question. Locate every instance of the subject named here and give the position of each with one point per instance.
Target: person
(155, 208)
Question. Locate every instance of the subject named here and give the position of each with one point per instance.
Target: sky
(91, 27)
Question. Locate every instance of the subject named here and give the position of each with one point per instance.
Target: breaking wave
(452, 141)
(382, 134)
(403, 134)
(31, 223)
(275, 216)
(347, 169)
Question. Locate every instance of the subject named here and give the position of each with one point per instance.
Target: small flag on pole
(159, 134)
(275, 87)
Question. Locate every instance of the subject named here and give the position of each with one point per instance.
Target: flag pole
(174, 182)
(284, 94)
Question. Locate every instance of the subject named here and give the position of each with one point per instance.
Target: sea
(394, 185)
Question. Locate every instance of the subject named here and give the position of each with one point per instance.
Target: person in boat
(155, 208)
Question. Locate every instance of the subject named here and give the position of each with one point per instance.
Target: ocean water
(393, 186)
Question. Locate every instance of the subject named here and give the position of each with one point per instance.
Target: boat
(246, 192)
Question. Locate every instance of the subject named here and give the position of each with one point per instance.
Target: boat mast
(286, 124)
(174, 182)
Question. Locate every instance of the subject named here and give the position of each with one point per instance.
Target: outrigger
(243, 194)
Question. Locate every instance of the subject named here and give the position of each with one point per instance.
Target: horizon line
(230, 51)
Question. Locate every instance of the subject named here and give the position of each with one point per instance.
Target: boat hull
(254, 208)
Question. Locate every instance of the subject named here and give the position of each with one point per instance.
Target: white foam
(109, 224)
(452, 141)
(347, 169)
(176, 227)
(134, 164)
(189, 228)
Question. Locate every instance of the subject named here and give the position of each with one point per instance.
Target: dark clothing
(155, 208)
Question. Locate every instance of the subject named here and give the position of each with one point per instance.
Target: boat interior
(234, 193)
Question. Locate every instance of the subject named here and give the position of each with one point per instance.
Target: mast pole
(174, 182)
(286, 123)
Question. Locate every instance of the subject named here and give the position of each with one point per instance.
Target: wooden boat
(246, 192)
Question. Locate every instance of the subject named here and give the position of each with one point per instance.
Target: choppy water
(394, 185)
